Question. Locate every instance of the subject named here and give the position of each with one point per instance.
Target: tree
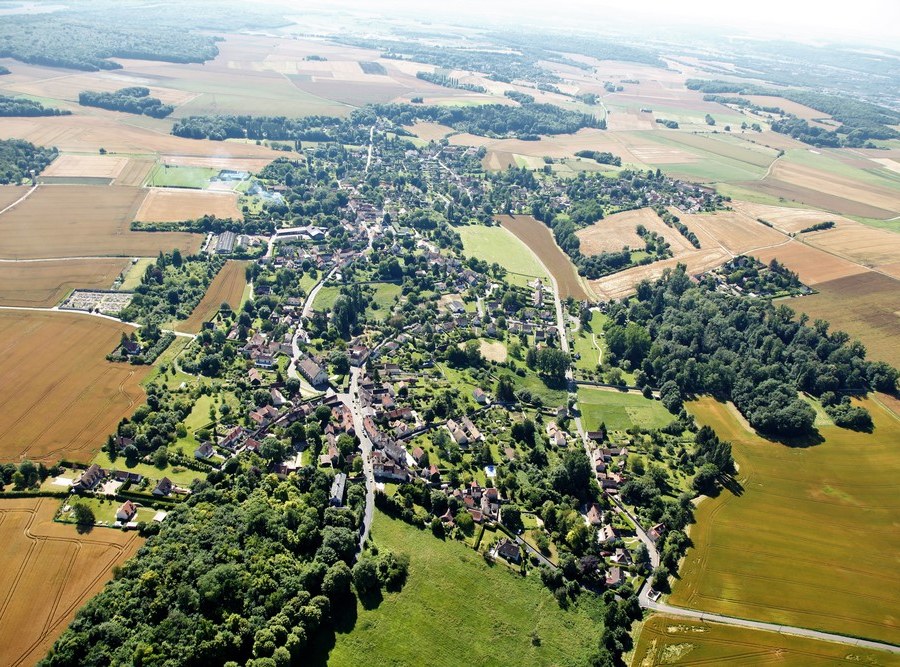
(336, 584)
(272, 450)
(512, 517)
(365, 577)
(84, 515)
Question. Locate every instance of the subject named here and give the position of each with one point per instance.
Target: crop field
(620, 410)
(226, 287)
(783, 218)
(434, 620)
(616, 231)
(44, 284)
(9, 194)
(865, 305)
(430, 131)
(83, 221)
(60, 397)
(86, 166)
(814, 266)
(811, 539)
(163, 205)
(670, 640)
(538, 237)
(49, 571)
(496, 160)
(88, 134)
(840, 193)
(623, 283)
(496, 244)
(733, 231)
(859, 243)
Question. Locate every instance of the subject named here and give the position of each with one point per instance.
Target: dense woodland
(248, 571)
(748, 351)
(18, 158)
(20, 106)
(309, 128)
(135, 99)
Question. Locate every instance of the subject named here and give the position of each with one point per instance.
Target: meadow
(60, 397)
(668, 640)
(496, 244)
(181, 177)
(620, 410)
(455, 609)
(49, 571)
(810, 540)
(226, 287)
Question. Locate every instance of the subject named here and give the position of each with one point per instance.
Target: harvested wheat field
(60, 397)
(814, 266)
(616, 231)
(537, 236)
(735, 232)
(44, 284)
(164, 205)
(9, 194)
(783, 218)
(49, 571)
(429, 131)
(227, 287)
(624, 283)
(86, 166)
(859, 243)
(88, 134)
(83, 221)
(866, 306)
(498, 160)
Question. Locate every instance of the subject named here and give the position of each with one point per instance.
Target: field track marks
(27, 559)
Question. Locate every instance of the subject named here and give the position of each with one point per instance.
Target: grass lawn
(181, 177)
(135, 273)
(326, 297)
(457, 610)
(166, 358)
(584, 343)
(105, 510)
(619, 410)
(495, 244)
(756, 555)
(384, 296)
(668, 640)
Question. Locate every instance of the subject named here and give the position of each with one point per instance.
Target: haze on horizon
(868, 21)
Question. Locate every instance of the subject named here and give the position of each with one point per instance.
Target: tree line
(18, 158)
(135, 99)
(20, 106)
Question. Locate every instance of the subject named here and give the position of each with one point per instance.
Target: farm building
(225, 243)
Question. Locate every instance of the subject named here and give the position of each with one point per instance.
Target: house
(265, 360)
(608, 533)
(657, 531)
(89, 478)
(230, 440)
(358, 355)
(126, 512)
(278, 398)
(509, 550)
(253, 376)
(131, 347)
(164, 487)
(264, 415)
(615, 577)
(313, 373)
(621, 557)
(479, 396)
(417, 454)
(337, 490)
(204, 451)
(595, 515)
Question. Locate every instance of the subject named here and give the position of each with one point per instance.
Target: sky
(859, 20)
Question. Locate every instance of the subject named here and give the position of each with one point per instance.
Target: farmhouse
(314, 373)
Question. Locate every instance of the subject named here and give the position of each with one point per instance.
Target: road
(371, 142)
(306, 312)
(352, 400)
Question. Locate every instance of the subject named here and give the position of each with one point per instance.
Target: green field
(495, 244)
(181, 177)
(584, 343)
(457, 610)
(812, 540)
(134, 274)
(619, 410)
(667, 640)
(181, 476)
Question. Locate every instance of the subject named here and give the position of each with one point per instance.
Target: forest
(18, 158)
(749, 351)
(20, 106)
(135, 99)
(309, 128)
(249, 570)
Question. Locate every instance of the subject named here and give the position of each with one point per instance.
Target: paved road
(352, 399)
(306, 312)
